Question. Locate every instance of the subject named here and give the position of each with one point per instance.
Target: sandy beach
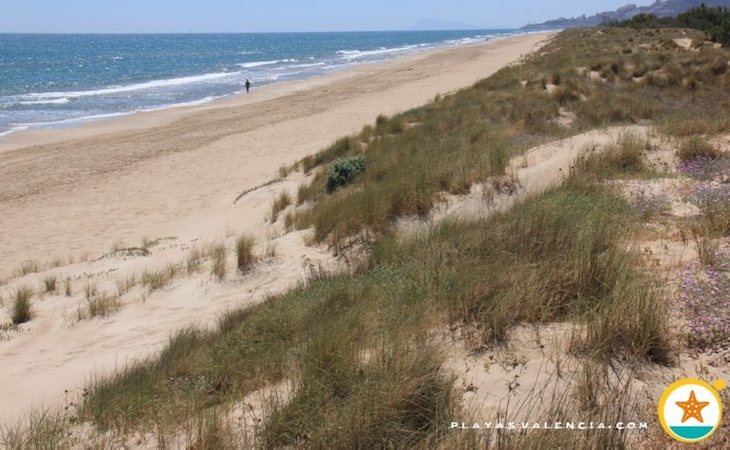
(175, 172)
(172, 176)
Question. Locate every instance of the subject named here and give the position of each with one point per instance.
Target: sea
(49, 81)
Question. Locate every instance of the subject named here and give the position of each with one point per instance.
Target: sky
(204, 16)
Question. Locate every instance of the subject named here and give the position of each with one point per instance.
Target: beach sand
(175, 174)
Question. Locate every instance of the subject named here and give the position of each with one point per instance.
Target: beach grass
(245, 257)
(22, 310)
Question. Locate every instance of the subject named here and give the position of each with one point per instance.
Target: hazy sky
(114, 16)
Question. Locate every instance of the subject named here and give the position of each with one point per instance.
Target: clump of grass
(624, 159)
(22, 308)
(218, 255)
(270, 250)
(696, 148)
(245, 257)
(192, 262)
(161, 278)
(340, 148)
(49, 285)
(281, 203)
(126, 284)
(45, 429)
(67, 286)
(412, 401)
(100, 306)
(28, 267)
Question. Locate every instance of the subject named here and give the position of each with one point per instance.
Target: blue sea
(57, 80)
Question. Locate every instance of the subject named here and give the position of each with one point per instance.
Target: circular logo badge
(691, 410)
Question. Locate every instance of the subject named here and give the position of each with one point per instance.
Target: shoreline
(14, 138)
(121, 170)
(171, 178)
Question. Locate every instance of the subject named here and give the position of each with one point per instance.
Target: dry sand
(175, 174)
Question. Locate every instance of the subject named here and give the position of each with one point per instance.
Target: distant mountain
(435, 24)
(660, 8)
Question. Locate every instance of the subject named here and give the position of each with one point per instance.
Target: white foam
(253, 64)
(55, 101)
(37, 96)
(359, 54)
(306, 66)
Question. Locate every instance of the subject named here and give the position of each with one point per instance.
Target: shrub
(21, 312)
(344, 170)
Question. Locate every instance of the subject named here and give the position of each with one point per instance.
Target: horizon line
(251, 32)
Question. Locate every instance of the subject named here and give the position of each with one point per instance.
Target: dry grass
(158, 279)
(218, 254)
(281, 203)
(22, 310)
(49, 285)
(696, 147)
(99, 305)
(245, 257)
(67, 286)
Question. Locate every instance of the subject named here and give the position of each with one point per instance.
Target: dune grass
(356, 344)
(49, 284)
(468, 137)
(22, 310)
(245, 257)
(218, 268)
(281, 203)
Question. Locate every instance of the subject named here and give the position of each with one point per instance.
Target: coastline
(35, 133)
(44, 171)
(172, 176)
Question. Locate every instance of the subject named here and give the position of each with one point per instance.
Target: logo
(690, 410)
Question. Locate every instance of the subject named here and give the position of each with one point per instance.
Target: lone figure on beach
(248, 86)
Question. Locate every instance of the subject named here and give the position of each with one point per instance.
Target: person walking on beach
(248, 86)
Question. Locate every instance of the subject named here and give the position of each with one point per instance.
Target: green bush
(344, 170)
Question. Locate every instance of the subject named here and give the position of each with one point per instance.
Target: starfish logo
(691, 410)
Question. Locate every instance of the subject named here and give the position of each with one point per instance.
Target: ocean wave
(55, 101)
(359, 54)
(251, 65)
(55, 96)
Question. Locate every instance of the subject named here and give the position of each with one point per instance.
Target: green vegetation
(344, 170)
(713, 20)
(468, 137)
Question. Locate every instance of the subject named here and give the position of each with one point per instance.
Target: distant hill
(435, 24)
(660, 8)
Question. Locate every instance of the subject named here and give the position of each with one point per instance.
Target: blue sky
(147, 16)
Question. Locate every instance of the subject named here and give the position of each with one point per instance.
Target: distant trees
(715, 21)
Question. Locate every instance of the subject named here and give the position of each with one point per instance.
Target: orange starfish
(692, 408)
